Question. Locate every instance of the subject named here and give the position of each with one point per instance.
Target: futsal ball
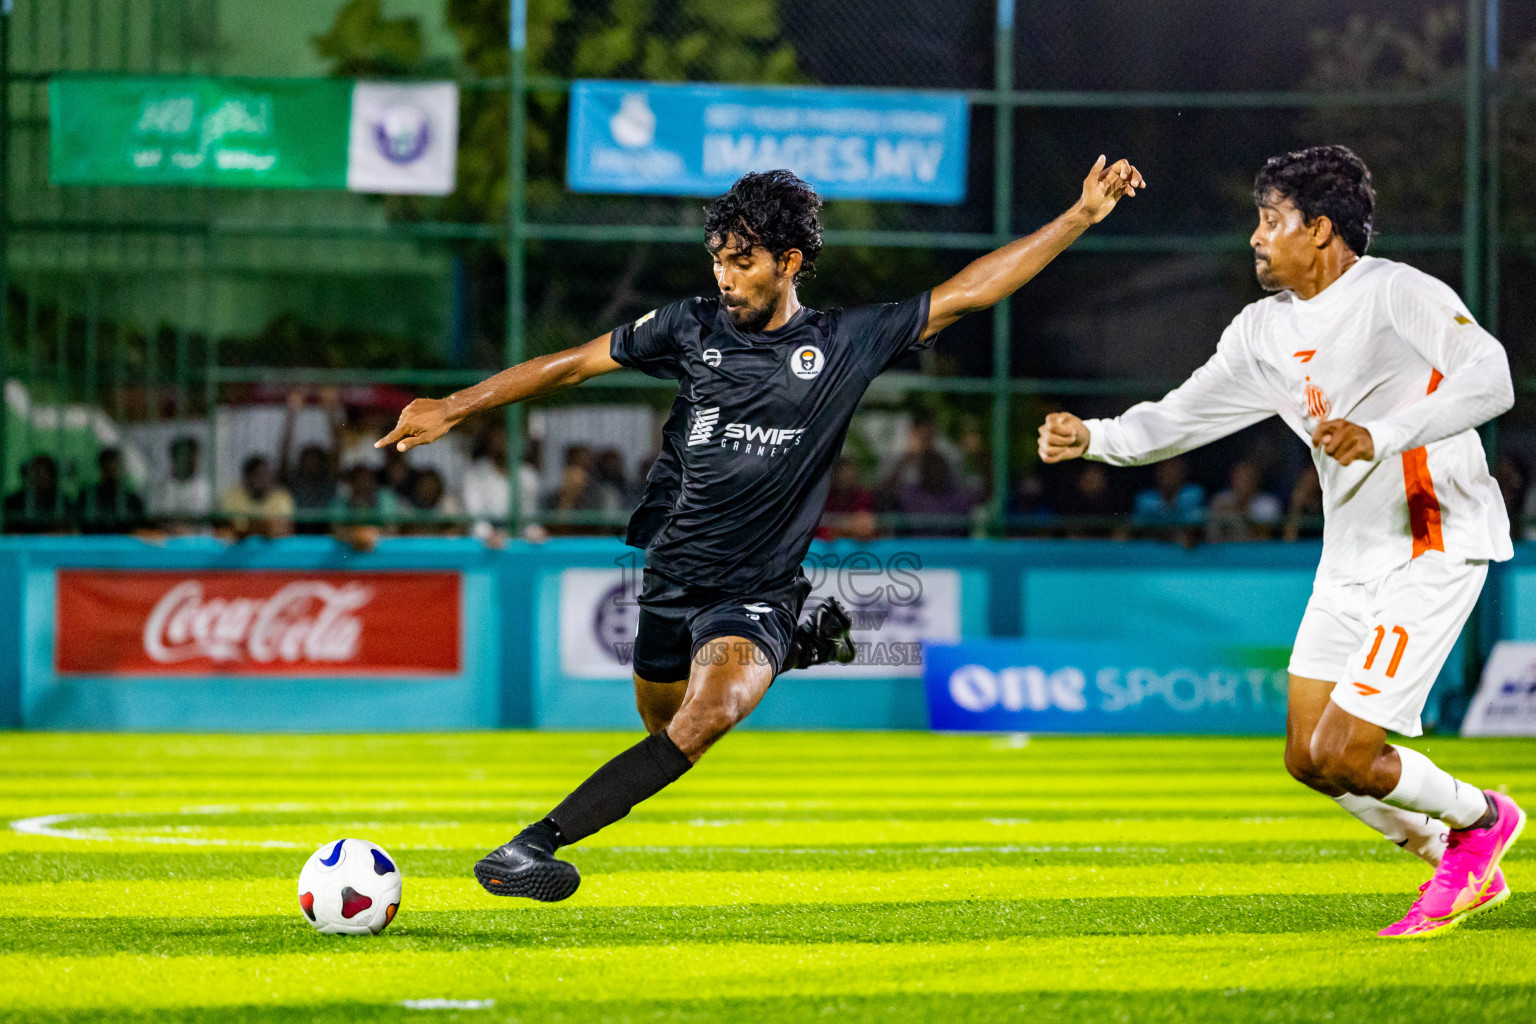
(349, 887)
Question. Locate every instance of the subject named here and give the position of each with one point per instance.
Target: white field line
(44, 825)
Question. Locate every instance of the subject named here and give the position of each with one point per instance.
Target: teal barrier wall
(514, 673)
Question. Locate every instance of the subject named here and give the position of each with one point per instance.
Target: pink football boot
(1417, 926)
(1471, 860)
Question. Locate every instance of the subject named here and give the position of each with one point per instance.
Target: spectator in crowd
(1090, 503)
(486, 494)
(896, 470)
(396, 475)
(363, 500)
(977, 458)
(578, 491)
(1304, 516)
(1244, 511)
(1174, 507)
(258, 505)
(430, 508)
(614, 489)
(1514, 481)
(850, 507)
(937, 492)
(108, 505)
(313, 479)
(184, 501)
(1028, 506)
(362, 511)
(38, 507)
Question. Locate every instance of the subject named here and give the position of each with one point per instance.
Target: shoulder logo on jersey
(703, 428)
(712, 356)
(1462, 319)
(1305, 355)
(759, 607)
(1318, 406)
(806, 361)
(649, 316)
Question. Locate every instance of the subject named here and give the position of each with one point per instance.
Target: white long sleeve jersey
(1388, 348)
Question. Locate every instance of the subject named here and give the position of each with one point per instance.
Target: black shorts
(676, 619)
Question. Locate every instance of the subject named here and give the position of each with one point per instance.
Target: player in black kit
(768, 389)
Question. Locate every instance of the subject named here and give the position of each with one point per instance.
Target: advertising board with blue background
(1104, 687)
(695, 140)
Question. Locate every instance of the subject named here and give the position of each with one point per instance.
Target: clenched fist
(1062, 437)
(1344, 441)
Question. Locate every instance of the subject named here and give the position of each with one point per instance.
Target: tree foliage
(1417, 151)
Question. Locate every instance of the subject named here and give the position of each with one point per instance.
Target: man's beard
(749, 318)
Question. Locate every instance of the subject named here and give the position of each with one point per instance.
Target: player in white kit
(1383, 372)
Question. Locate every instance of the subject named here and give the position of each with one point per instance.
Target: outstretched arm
(1220, 398)
(427, 419)
(1000, 273)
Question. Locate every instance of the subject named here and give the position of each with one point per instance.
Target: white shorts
(1383, 642)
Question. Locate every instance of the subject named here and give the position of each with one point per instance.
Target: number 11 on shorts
(1397, 653)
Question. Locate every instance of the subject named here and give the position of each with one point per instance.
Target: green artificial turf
(848, 877)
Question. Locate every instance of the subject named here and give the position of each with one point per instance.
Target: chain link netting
(122, 297)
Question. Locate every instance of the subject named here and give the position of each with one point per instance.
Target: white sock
(1418, 833)
(1432, 791)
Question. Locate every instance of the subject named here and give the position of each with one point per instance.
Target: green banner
(231, 132)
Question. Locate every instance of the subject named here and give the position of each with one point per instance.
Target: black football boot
(821, 637)
(527, 866)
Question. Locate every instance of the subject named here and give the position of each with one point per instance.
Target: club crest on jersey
(1318, 406)
(712, 357)
(805, 361)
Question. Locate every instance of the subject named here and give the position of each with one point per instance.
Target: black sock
(639, 773)
(542, 835)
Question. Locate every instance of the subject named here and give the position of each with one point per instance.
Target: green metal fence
(126, 309)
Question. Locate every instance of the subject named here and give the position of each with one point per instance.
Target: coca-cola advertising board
(257, 623)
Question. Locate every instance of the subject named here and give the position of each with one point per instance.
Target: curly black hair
(1324, 181)
(774, 209)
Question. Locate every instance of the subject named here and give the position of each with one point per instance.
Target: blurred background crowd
(308, 466)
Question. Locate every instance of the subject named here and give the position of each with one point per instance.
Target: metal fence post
(1472, 172)
(517, 40)
(1491, 193)
(5, 238)
(1002, 228)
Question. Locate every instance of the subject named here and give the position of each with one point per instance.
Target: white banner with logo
(896, 612)
(404, 138)
(1505, 704)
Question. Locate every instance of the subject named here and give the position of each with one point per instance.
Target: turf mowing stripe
(726, 830)
(1296, 804)
(567, 926)
(1378, 1005)
(99, 865)
(245, 896)
(744, 970)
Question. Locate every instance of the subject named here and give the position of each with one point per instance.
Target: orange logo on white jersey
(1317, 402)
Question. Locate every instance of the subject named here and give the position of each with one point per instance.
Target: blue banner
(695, 140)
(1104, 687)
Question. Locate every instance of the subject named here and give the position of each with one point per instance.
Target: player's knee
(698, 726)
(1338, 764)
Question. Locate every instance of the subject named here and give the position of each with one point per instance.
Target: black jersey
(765, 414)
(663, 482)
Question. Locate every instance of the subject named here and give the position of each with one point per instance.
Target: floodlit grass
(878, 877)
